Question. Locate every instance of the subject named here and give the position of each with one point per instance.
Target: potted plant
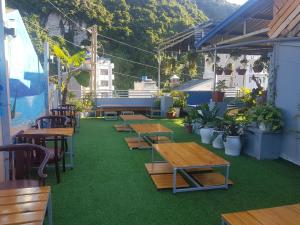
(232, 136)
(218, 94)
(218, 133)
(171, 114)
(207, 116)
(258, 66)
(179, 101)
(241, 71)
(268, 117)
(219, 70)
(228, 69)
(188, 124)
(244, 62)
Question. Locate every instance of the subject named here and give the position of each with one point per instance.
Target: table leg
(174, 180)
(72, 151)
(227, 176)
(49, 210)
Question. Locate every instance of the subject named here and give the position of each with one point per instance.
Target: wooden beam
(275, 33)
(261, 31)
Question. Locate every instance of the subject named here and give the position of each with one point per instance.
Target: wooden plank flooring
(165, 181)
(210, 179)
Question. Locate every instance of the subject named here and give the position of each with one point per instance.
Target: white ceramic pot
(206, 135)
(264, 127)
(218, 141)
(177, 112)
(233, 145)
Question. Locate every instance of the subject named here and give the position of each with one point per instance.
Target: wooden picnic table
(25, 206)
(67, 132)
(190, 155)
(149, 133)
(283, 215)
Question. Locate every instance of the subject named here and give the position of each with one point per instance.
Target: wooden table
(283, 215)
(25, 206)
(190, 155)
(150, 130)
(67, 132)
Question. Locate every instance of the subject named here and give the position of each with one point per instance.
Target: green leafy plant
(172, 110)
(269, 115)
(207, 115)
(221, 85)
(179, 99)
(228, 69)
(233, 127)
(244, 61)
(219, 70)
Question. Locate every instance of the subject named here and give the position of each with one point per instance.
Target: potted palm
(218, 133)
(232, 136)
(179, 101)
(207, 116)
(228, 69)
(218, 94)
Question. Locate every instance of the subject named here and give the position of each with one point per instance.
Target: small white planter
(264, 127)
(177, 112)
(206, 135)
(196, 127)
(233, 145)
(218, 141)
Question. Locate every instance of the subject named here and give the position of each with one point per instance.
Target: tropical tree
(72, 68)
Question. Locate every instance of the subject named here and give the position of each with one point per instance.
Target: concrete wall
(287, 63)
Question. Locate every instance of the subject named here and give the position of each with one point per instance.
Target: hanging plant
(241, 71)
(258, 66)
(219, 70)
(228, 69)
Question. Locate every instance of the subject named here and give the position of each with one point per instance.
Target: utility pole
(159, 67)
(94, 48)
(46, 72)
(4, 83)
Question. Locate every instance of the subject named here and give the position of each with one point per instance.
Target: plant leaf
(83, 78)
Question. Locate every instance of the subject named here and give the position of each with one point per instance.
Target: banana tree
(72, 68)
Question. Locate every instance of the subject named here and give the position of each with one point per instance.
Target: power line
(122, 74)
(120, 42)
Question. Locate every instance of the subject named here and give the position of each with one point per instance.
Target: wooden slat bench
(283, 215)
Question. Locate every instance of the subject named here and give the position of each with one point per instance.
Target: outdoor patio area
(109, 184)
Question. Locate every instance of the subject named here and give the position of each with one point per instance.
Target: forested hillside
(141, 23)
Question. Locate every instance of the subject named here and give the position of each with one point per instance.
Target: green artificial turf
(109, 185)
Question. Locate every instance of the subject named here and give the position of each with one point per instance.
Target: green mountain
(141, 23)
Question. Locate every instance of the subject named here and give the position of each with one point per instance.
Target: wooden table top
(150, 128)
(51, 131)
(23, 206)
(283, 215)
(134, 117)
(188, 154)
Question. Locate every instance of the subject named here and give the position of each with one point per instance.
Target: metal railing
(117, 93)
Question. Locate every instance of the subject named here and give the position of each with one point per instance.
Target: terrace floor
(109, 185)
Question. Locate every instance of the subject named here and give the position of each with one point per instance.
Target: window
(103, 72)
(104, 83)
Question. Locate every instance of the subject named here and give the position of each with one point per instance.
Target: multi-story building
(104, 80)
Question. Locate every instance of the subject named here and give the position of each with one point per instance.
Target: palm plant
(72, 65)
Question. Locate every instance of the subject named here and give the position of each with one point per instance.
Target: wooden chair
(55, 145)
(71, 114)
(21, 158)
(52, 122)
(67, 106)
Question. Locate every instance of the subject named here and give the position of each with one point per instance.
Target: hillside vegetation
(141, 23)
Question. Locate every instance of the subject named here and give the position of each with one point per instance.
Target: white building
(235, 80)
(145, 88)
(104, 80)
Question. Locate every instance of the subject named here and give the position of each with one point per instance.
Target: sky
(239, 2)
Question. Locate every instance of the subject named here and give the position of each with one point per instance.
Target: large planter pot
(218, 141)
(218, 96)
(177, 113)
(261, 144)
(233, 145)
(206, 135)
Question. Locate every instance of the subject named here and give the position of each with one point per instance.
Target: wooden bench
(283, 215)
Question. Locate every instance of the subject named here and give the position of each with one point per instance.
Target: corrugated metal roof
(256, 13)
